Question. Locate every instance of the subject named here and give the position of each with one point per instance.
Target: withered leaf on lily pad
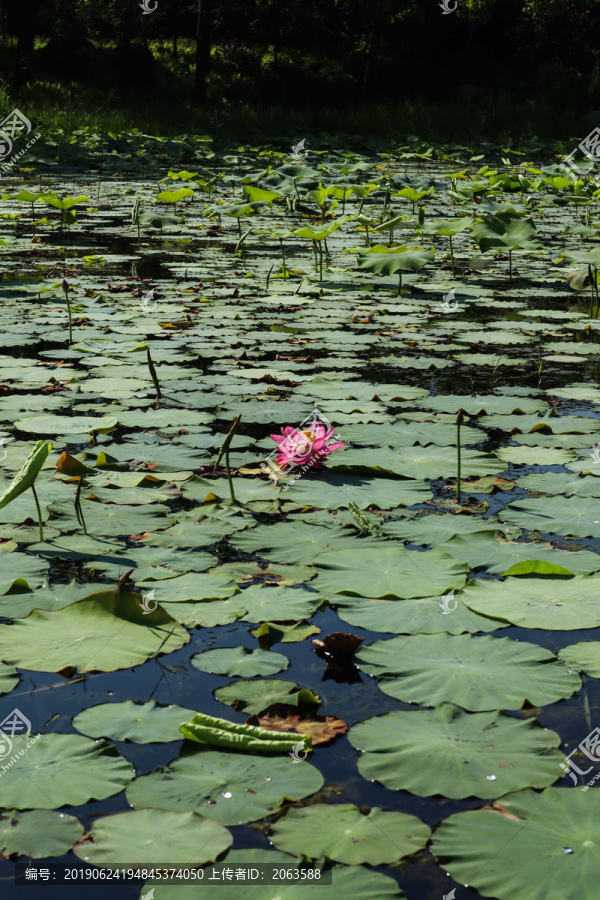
(283, 717)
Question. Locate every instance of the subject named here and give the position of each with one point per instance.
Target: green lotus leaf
(147, 835)
(529, 846)
(482, 754)
(477, 673)
(26, 476)
(61, 770)
(38, 833)
(345, 834)
(143, 723)
(386, 571)
(254, 696)
(557, 604)
(239, 661)
(207, 729)
(101, 633)
(231, 788)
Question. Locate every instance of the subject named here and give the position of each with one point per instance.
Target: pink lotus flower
(299, 448)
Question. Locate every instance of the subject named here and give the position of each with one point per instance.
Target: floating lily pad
(144, 836)
(585, 657)
(102, 633)
(62, 770)
(232, 788)
(254, 696)
(476, 672)
(470, 754)
(143, 723)
(528, 846)
(388, 571)
(346, 835)
(38, 833)
(240, 661)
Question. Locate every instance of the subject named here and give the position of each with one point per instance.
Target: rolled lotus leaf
(222, 733)
(24, 479)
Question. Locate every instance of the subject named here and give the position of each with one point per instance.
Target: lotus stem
(459, 421)
(225, 450)
(153, 374)
(229, 478)
(77, 505)
(39, 512)
(65, 287)
(452, 256)
(399, 283)
(283, 258)
(510, 266)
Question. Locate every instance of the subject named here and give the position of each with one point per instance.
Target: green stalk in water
(153, 374)
(65, 287)
(77, 505)
(39, 512)
(459, 420)
(225, 450)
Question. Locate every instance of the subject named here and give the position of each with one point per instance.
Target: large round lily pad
(38, 833)
(419, 615)
(476, 672)
(388, 570)
(346, 835)
(585, 657)
(62, 770)
(240, 661)
(554, 603)
(468, 754)
(143, 723)
(152, 836)
(103, 632)
(232, 788)
(529, 846)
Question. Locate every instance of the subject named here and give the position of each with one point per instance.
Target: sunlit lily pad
(528, 846)
(62, 770)
(471, 754)
(143, 836)
(231, 788)
(345, 834)
(143, 723)
(38, 833)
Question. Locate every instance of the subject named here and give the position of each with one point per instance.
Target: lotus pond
(425, 605)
